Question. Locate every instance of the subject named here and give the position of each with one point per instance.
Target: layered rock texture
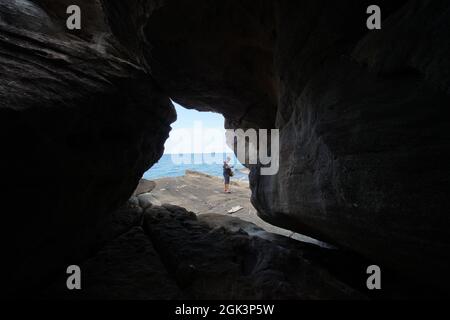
(362, 114)
(170, 253)
(363, 118)
(80, 123)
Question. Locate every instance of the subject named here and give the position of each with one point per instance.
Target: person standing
(227, 174)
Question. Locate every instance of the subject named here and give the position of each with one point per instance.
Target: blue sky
(196, 132)
(186, 118)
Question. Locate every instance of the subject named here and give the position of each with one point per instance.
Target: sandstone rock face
(173, 254)
(363, 115)
(80, 123)
(364, 141)
(212, 57)
(363, 118)
(126, 268)
(218, 263)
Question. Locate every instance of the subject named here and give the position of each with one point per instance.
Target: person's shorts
(227, 179)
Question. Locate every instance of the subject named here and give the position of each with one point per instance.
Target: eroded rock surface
(203, 194)
(215, 263)
(182, 255)
(126, 268)
(364, 140)
(209, 56)
(362, 114)
(363, 118)
(80, 122)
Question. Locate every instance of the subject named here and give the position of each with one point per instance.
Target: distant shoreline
(167, 167)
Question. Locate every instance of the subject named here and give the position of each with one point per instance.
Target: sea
(176, 165)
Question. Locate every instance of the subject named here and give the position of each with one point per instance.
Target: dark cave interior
(364, 159)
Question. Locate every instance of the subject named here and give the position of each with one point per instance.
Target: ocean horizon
(167, 167)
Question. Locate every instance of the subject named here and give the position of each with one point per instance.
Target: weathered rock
(126, 268)
(365, 148)
(120, 221)
(209, 247)
(219, 264)
(363, 118)
(147, 200)
(203, 194)
(227, 47)
(144, 186)
(363, 114)
(80, 123)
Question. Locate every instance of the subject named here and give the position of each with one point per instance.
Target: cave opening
(189, 174)
(85, 113)
(196, 143)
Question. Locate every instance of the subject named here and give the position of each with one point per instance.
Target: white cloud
(197, 139)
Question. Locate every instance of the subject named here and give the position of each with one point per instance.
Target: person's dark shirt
(226, 170)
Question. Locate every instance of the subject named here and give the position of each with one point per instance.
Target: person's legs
(227, 183)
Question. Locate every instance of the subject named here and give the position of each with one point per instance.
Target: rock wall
(363, 118)
(364, 138)
(212, 57)
(80, 123)
(362, 114)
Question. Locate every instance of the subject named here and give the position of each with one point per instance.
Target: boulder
(144, 186)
